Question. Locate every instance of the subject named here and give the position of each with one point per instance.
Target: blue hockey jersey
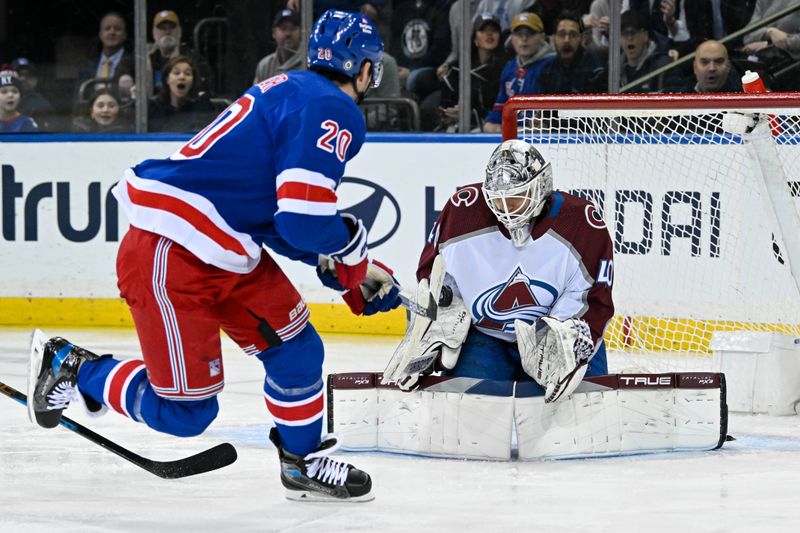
(264, 172)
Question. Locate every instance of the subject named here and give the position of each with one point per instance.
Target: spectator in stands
(658, 16)
(102, 115)
(763, 37)
(11, 120)
(573, 70)
(420, 42)
(712, 71)
(488, 59)
(454, 21)
(642, 56)
(179, 106)
(786, 40)
(502, 10)
(287, 56)
(114, 60)
(521, 75)
(506, 10)
(370, 8)
(390, 81)
(550, 10)
(33, 103)
(167, 35)
(374, 9)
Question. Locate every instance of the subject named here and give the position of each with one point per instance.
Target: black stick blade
(214, 458)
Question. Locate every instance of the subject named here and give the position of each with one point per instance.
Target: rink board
(61, 227)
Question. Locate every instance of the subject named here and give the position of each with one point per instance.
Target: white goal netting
(702, 208)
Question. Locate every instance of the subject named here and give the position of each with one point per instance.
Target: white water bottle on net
(700, 195)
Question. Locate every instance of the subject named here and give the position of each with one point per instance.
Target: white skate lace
(61, 395)
(324, 468)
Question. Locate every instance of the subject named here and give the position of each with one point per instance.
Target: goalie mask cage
(700, 196)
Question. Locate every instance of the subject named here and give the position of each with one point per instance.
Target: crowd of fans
(517, 47)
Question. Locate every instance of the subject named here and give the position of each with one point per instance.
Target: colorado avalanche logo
(518, 298)
(594, 218)
(465, 197)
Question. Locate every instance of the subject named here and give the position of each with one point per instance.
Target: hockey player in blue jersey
(264, 173)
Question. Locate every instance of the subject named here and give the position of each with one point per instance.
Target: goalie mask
(517, 184)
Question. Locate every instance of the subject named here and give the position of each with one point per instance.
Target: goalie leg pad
(445, 417)
(608, 415)
(623, 414)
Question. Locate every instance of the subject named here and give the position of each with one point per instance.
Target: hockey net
(701, 205)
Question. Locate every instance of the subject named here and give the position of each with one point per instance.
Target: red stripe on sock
(296, 412)
(117, 388)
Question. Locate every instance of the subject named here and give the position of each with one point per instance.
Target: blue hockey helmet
(342, 41)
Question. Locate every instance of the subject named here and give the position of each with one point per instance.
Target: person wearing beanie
(33, 102)
(11, 120)
(488, 59)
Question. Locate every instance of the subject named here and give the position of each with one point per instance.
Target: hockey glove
(351, 261)
(430, 345)
(377, 294)
(555, 353)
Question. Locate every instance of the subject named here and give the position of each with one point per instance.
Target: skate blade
(38, 340)
(316, 497)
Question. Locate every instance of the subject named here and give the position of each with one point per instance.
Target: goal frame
(764, 140)
(689, 102)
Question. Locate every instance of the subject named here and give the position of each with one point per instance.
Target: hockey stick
(428, 312)
(219, 456)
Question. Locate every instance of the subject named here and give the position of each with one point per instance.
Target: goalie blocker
(617, 414)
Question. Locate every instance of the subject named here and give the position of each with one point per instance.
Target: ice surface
(54, 480)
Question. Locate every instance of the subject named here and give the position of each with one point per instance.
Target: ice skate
(53, 378)
(317, 477)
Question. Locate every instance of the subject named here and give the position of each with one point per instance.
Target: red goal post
(700, 195)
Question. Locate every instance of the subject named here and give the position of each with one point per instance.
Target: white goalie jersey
(565, 270)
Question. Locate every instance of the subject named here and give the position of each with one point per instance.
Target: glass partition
(73, 63)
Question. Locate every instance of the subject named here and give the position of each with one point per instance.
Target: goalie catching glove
(376, 294)
(555, 353)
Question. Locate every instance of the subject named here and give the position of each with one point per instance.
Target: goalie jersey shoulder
(576, 221)
(465, 214)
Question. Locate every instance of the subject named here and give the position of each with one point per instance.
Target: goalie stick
(214, 458)
(431, 311)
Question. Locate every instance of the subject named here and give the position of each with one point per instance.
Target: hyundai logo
(374, 205)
